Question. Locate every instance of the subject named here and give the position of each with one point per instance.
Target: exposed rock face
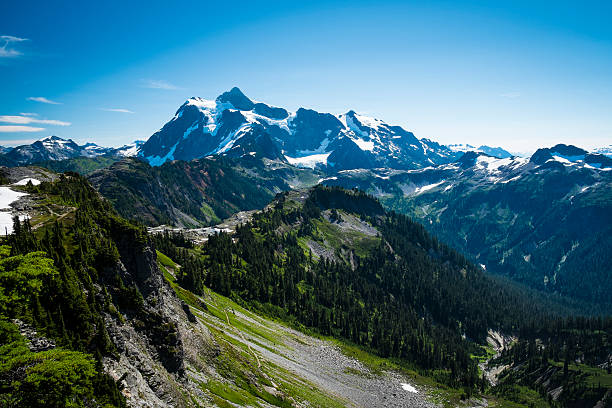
(158, 345)
(35, 342)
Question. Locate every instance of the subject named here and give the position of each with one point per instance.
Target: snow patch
(7, 197)
(321, 149)
(409, 388)
(427, 187)
(24, 181)
(158, 161)
(308, 161)
(363, 144)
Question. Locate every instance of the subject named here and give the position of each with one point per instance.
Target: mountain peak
(52, 138)
(237, 99)
(233, 124)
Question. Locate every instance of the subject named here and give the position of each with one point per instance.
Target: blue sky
(524, 75)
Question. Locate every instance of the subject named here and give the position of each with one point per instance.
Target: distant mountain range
(55, 148)
(607, 150)
(498, 152)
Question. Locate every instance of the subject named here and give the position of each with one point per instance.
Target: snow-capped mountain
(55, 148)
(128, 150)
(498, 152)
(474, 170)
(606, 150)
(571, 155)
(50, 148)
(235, 126)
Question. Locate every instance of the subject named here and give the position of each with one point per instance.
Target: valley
(305, 259)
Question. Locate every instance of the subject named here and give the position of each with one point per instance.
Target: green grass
(484, 354)
(241, 379)
(521, 396)
(167, 262)
(209, 213)
(594, 376)
(337, 237)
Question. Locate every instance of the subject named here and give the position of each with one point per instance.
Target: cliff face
(149, 363)
(105, 295)
(160, 347)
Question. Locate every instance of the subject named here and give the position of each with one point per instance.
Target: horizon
(454, 73)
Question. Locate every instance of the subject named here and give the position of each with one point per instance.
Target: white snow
(511, 179)
(190, 129)
(202, 103)
(364, 144)
(326, 179)
(308, 161)
(321, 149)
(563, 158)
(460, 147)
(128, 150)
(253, 117)
(7, 197)
(158, 161)
(427, 187)
(24, 181)
(492, 163)
(409, 388)
(231, 138)
(372, 123)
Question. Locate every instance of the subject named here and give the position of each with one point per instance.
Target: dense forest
(55, 284)
(408, 297)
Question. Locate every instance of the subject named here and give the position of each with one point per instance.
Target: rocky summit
(233, 125)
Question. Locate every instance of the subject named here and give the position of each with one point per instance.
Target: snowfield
(308, 161)
(24, 181)
(7, 197)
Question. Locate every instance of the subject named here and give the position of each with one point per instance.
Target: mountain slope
(196, 193)
(545, 221)
(229, 125)
(91, 317)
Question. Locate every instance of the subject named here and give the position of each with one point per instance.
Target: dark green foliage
(546, 229)
(81, 165)
(411, 298)
(56, 290)
(547, 356)
(56, 378)
(195, 193)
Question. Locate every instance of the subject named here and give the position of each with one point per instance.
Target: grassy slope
(239, 331)
(237, 363)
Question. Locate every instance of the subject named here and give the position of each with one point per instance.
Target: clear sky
(523, 75)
